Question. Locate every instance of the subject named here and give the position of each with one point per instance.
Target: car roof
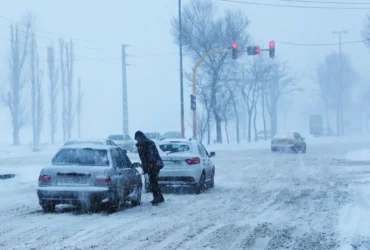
(88, 140)
(89, 145)
(286, 135)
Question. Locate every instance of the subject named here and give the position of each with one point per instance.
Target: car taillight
(192, 161)
(44, 180)
(102, 181)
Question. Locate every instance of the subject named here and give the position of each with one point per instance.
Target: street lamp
(340, 122)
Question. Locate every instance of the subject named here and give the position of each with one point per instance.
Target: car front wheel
(212, 179)
(48, 208)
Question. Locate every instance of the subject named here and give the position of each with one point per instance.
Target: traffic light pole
(200, 60)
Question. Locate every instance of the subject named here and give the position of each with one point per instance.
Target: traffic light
(272, 49)
(253, 50)
(193, 102)
(234, 52)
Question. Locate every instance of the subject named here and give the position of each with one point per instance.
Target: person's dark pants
(153, 181)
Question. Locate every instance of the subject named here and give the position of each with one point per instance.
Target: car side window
(201, 150)
(126, 161)
(114, 159)
(205, 150)
(119, 159)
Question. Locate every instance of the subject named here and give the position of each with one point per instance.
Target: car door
(116, 176)
(128, 172)
(204, 160)
(209, 162)
(300, 141)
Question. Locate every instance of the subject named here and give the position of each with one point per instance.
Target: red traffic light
(272, 43)
(234, 45)
(257, 50)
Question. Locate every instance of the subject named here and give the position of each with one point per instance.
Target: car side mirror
(124, 151)
(136, 165)
(303, 138)
(212, 154)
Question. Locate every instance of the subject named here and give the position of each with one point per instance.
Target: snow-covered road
(260, 201)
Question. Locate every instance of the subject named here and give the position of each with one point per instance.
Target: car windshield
(175, 147)
(116, 137)
(172, 135)
(81, 157)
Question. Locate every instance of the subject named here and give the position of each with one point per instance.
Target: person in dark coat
(151, 163)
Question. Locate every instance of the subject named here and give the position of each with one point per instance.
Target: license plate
(172, 162)
(72, 181)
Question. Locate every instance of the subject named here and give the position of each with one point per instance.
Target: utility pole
(181, 76)
(124, 92)
(340, 120)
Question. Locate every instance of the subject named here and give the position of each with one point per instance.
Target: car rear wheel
(200, 187)
(137, 201)
(48, 208)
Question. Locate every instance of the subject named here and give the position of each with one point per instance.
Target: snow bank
(360, 155)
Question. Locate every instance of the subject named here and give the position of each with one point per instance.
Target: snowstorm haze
(98, 29)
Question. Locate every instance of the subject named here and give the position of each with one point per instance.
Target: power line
(320, 44)
(326, 2)
(296, 6)
(50, 32)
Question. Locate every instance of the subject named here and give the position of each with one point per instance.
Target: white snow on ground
(260, 201)
(358, 155)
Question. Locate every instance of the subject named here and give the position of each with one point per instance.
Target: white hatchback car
(186, 163)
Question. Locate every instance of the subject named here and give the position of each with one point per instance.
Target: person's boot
(155, 197)
(158, 199)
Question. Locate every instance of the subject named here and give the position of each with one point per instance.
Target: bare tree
(334, 82)
(204, 98)
(255, 112)
(53, 73)
(366, 31)
(205, 30)
(234, 98)
(260, 72)
(36, 93)
(201, 124)
(12, 95)
(280, 83)
(80, 95)
(70, 67)
(63, 85)
(249, 91)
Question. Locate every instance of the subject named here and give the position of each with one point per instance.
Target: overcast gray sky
(100, 27)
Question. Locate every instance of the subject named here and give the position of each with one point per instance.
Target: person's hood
(141, 138)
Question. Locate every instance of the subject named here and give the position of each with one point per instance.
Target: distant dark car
(123, 141)
(289, 142)
(93, 176)
(172, 135)
(153, 136)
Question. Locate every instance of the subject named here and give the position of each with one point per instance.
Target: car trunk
(75, 176)
(176, 160)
